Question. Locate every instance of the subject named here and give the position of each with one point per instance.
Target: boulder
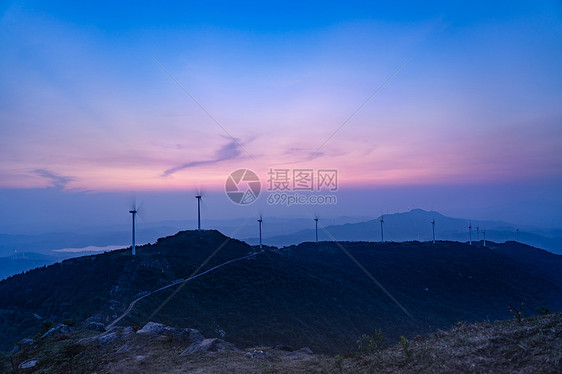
(57, 330)
(163, 332)
(114, 334)
(152, 328)
(26, 342)
(209, 345)
(187, 336)
(127, 331)
(107, 338)
(257, 354)
(124, 348)
(305, 351)
(86, 341)
(95, 326)
(28, 363)
(93, 319)
(103, 339)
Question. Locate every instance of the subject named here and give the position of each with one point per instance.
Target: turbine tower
(470, 233)
(433, 228)
(381, 220)
(133, 212)
(484, 233)
(260, 220)
(198, 197)
(316, 223)
(478, 234)
(517, 234)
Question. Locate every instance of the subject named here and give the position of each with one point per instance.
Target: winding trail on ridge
(174, 283)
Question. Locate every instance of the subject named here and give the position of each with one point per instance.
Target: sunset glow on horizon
(111, 98)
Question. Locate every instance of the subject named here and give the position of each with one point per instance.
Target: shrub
(517, 313)
(370, 344)
(338, 361)
(543, 310)
(69, 322)
(405, 343)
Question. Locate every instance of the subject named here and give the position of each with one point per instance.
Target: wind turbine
(470, 233)
(260, 220)
(433, 228)
(478, 234)
(316, 223)
(381, 220)
(484, 233)
(198, 197)
(517, 234)
(134, 213)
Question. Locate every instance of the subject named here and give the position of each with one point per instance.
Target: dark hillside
(104, 284)
(306, 295)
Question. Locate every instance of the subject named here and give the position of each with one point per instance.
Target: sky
(453, 106)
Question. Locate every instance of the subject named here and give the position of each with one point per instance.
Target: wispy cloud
(57, 181)
(303, 155)
(229, 151)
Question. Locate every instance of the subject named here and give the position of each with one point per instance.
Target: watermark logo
(302, 180)
(243, 186)
(285, 186)
(283, 198)
(294, 186)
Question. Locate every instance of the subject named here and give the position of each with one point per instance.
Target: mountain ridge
(277, 232)
(416, 225)
(306, 295)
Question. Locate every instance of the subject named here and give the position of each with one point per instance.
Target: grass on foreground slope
(533, 345)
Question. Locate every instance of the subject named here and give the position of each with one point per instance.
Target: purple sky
(104, 101)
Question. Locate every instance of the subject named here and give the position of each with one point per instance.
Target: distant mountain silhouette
(147, 232)
(416, 225)
(21, 261)
(306, 295)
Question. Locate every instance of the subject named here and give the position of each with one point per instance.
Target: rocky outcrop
(125, 339)
(209, 345)
(21, 345)
(28, 364)
(107, 338)
(57, 330)
(114, 335)
(26, 342)
(257, 354)
(95, 326)
(166, 333)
